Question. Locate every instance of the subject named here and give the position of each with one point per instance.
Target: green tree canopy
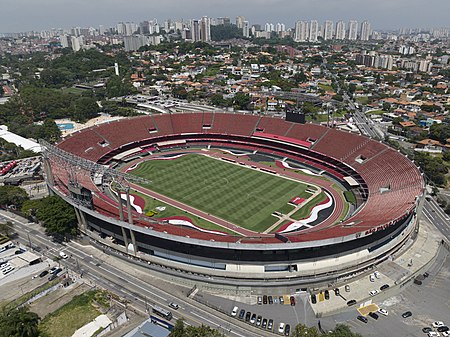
(20, 322)
(57, 216)
(12, 195)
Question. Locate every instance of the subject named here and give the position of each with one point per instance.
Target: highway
(434, 213)
(123, 282)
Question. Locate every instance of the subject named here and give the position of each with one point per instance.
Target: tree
(12, 195)
(49, 131)
(6, 228)
(85, 108)
(57, 216)
(342, 330)
(440, 132)
(241, 101)
(20, 322)
(178, 329)
(302, 330)
(179, 92)
(116, 87)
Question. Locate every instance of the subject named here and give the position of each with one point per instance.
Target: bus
(162, 312)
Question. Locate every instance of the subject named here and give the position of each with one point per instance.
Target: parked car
(327, 295)
(265, 299)
(287, 330)
(347, 288)
(43, 273)
(373, 292)
(351, 302)
(258, 320)
(264, 323)
(437, 324)
(247, 316)
(52, 277)
(371, 278)
(292, 299)
(373, 315)
(281, 328)
(234, 311)
(336, 291)
(313, 299)
(384, 287)
(253, 319)
(377, 274)
(442, 328)
(259, 300)
(270, 299)
(270, 324)
(408, 314)
(433, 334)
(362, 319)
(241, 314)
(427, 329)
(63, 255)
(281, 298)
(383, 311)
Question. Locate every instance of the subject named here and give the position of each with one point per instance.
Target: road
(140, 293)
(434, 213)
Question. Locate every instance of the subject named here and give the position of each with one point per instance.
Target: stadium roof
(25, 143)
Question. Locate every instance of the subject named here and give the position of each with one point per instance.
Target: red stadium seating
(392, 180)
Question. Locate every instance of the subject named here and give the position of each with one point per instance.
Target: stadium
(238, 198)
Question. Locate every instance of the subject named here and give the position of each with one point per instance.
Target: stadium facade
(387, 185)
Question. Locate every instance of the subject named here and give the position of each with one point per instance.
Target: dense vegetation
(57, 216)
(20, 322)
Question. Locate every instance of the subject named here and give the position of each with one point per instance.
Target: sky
(26, 15)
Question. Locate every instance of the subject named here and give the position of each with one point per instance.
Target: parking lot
(275, 310)
(428, 303)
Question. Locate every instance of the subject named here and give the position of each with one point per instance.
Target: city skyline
(27, 15)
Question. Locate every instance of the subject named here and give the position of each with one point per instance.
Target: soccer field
(240, 195)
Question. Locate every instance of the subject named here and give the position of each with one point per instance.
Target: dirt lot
(57, 299)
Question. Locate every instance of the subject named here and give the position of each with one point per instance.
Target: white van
(234, 312)
(371, 278)
(63, 255)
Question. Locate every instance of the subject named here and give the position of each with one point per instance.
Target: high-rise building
(352, 30)
(301, 33)
(280, 27)
(269, 27)
(313, 30)
(76, 42)
(205, 29)
(102, 30)
(340, 30)
(365, 31)
(328, 30)
(65, 41)
(246, 29)
(195, 30)
(240, 21)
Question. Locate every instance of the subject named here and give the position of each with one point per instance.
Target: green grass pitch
(234, 193)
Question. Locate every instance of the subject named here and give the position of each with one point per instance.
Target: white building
(340, 30)
(366, 31)
(205, 29)
(301, 33)
(328, 30)
(352, 30)
(246, 29)
(313, 30)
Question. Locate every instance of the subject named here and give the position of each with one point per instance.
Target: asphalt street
(434, 213)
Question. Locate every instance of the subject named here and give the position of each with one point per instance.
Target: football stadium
(237, 198)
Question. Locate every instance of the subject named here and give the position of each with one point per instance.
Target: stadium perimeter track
(388, 185)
